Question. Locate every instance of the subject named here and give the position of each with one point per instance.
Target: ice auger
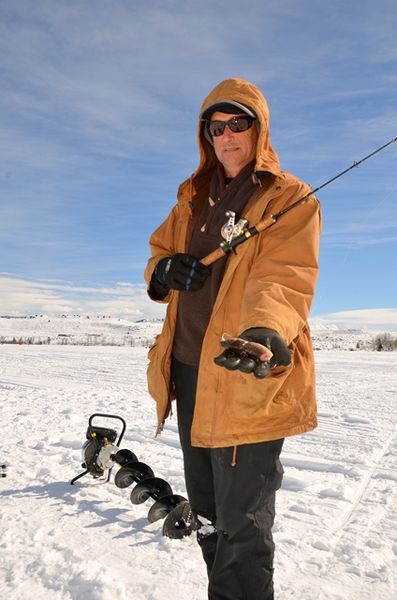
(101, 453)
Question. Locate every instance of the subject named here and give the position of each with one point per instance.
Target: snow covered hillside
(105, 330)
(336, 520)
(78, 330)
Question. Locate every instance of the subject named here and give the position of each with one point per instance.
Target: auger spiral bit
(180, 522)
(125, 456)
(162, 507)
(132, 472)
(153, 487)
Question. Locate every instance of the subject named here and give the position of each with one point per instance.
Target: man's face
(234, 150)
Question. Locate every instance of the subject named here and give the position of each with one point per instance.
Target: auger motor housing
(99, 450)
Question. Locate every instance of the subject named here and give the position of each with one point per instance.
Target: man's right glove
(248, 353)
(182, 272)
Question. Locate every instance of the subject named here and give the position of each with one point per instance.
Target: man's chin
(232, 165)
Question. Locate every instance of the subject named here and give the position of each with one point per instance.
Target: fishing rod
(229, 246)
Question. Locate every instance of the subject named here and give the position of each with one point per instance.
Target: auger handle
(106, 416)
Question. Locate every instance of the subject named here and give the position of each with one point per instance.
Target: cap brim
(226, 106)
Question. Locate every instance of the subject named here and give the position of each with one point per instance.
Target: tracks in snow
(343, 521)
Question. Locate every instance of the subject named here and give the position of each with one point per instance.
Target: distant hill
(79, 329)
(107, 330)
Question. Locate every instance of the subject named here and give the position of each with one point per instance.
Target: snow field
(346, 470)
(335, 528)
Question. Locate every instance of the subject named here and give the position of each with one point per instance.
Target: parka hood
(247, 94)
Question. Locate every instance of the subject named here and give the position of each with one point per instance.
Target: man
(236, 402)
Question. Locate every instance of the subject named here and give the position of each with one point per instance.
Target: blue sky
(99, 104)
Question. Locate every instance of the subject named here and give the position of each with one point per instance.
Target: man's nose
(227, 133)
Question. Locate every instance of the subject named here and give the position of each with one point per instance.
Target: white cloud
(19, 297)
(371, 318)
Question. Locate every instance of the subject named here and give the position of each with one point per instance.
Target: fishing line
(249, 232)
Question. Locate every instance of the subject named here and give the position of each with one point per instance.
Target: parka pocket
(153, 372)
(158, 372)
(253, 398)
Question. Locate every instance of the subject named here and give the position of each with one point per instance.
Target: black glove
(182, 272)
(241, 354)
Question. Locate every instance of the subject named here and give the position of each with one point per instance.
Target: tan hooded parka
(269, 282)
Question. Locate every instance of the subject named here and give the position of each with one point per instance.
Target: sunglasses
(235, 124)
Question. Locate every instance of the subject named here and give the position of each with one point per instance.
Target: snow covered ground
(335, 533)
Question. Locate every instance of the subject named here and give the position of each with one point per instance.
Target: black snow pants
(234, 504)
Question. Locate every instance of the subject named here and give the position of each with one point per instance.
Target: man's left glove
(249, 352)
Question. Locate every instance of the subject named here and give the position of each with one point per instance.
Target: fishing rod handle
(213, 257)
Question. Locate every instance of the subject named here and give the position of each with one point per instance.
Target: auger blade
(162, 507)
(180, 522)
(153, 487)
(125, 456)
(136, 471)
